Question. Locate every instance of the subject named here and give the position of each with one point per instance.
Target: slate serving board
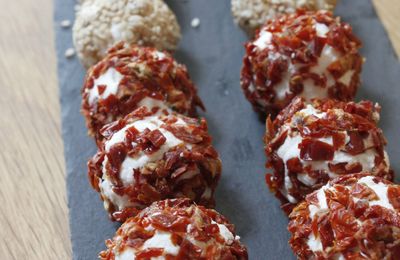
(213, 54)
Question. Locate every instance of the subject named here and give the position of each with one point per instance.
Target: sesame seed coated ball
(100, 24)
(309, 144)
(149, 156)
(252, 14)
(352, 217)
(175, 229)
(309, 54)
(130, 77)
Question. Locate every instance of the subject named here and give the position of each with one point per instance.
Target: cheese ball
(307, 54)
(251, 14)
(309, 144)
(100, 24)
(147, 156)
(352, 217)
(175, 229)
(130, 77)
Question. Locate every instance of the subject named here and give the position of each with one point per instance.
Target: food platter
(213, 53)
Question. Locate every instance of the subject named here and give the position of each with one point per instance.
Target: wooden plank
(388, 11)
(34, 220)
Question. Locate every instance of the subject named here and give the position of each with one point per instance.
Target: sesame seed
(100, 24)
(69, 53)
(195, 22)
(65, 23)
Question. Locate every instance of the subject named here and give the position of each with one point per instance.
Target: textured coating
(213, 53)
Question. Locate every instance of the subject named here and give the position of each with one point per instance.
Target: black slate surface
(213, 54)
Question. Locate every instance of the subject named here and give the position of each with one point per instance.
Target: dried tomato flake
(393, 194)
(310, 143)
(351, 225)
(315, 150)
(356, 144)
(101, 89)
(199, 239)
(156, 138)
(149, 253)
(165, 80)
(138, 136)
(296, 48)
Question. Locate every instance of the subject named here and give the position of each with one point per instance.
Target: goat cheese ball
(175, 229)
(352, 217)
(251, 14)
(100, 24)
(309, 144)
(130, 77)
(147, 156)
(307, 54)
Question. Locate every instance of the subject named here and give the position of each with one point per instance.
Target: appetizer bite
(175, 229)
(309, 144)
(130, 77)
(251, 14)
(148, 156)
(352, 217)
(100, 24)
(307, 54)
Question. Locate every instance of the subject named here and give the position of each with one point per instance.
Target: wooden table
(34, 221)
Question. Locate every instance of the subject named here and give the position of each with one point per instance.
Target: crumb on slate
(195, 22)
(69, 53)
(65, 24)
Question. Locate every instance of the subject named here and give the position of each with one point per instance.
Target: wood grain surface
(389, 11)
(34, 219)
(34, 215)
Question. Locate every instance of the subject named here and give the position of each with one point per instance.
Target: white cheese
(263, 40)
(111, 80)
